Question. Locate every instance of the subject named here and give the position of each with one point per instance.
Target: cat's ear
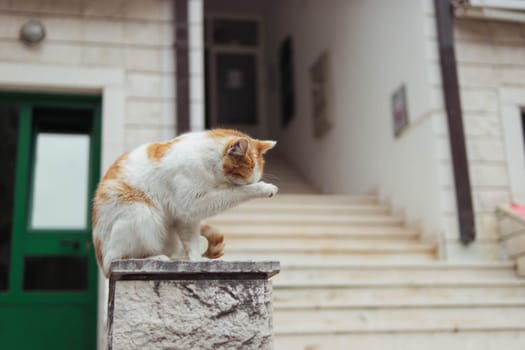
(265, 146)
(239, 147)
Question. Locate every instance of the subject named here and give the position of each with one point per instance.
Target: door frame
(27, 241)
(260, 129)
(106, 82)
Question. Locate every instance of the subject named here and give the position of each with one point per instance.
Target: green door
(50, 160)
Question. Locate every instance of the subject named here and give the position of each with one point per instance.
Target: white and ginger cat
(152, 200)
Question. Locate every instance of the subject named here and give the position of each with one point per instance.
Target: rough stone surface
(160, 267)
(191, 305)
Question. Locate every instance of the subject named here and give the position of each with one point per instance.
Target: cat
(152, 200)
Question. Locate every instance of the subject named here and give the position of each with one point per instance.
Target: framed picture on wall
(399, 110)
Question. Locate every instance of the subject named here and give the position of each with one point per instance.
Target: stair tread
(456, 328)
(420, 294)
(327, 250)
(298, 258)
(299, 197)
(416, 265)
(278, 284)
(402, 305)
(325, 245)
(435, 338)
(290, 219)
(344, 319)
(315, 230)
(319, 198)
(401, 273)
(266, 205)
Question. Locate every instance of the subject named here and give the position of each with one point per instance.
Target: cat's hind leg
(136, 233)
(215, 242)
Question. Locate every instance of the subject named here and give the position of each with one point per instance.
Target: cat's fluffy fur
(152, 200)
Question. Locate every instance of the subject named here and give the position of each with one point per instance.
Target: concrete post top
(149, 269)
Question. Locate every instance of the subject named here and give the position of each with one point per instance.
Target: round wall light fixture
(32, 32)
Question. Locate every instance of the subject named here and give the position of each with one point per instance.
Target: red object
(518, 208)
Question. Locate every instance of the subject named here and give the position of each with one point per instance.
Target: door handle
(73, 243)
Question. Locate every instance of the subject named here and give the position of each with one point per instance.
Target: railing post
(190, 305)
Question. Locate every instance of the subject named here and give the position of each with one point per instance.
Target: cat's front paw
(266, 190)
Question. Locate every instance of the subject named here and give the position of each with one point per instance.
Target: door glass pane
(235, 32)
(236, 89)
(60, 181)
(8, 152)
(55, 273)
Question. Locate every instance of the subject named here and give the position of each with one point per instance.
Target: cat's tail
(215, 242)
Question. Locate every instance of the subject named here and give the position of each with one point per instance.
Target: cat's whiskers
(270, 177)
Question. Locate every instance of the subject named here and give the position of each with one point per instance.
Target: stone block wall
(133, 35)
(490, 57)
(190, 305)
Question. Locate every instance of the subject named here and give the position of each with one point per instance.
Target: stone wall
(190, 305)
(490, 56)
(133, 35)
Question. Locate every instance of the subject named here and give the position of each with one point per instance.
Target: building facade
(319, 77)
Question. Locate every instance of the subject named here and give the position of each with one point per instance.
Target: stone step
(299, 219)
(319, 199)
(311, 257)
(325, 245)
(457, 337)
(324, 294)
(309, 209)
(397, 317)
(382, 305)
(430, 272)
(305, 231)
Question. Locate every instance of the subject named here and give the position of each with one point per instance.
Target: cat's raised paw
(267, 190)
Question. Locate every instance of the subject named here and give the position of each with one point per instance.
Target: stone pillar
(216, 304)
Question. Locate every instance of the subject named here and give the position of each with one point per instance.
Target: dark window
(235, 32)
(53, 273)
(8, 152)
(236, 89)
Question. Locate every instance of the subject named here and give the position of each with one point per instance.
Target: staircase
(355, 277)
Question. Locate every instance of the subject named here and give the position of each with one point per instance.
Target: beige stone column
(190, 305)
